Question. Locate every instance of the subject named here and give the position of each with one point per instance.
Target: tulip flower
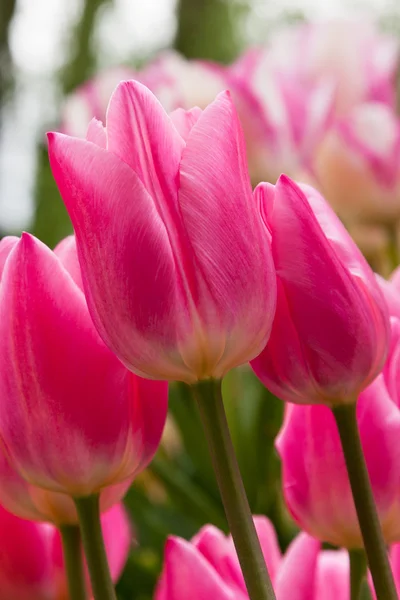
(315, 480)
(181, 83)
(208, 567)
(361, 61)
(90, 100)
(283, 119)
(357, 166)
(331, 330)
(73, 420)
(31, 562)
(175, 259)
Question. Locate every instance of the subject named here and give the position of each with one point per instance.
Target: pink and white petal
(124, 250)
(269, 544)
(235, 292)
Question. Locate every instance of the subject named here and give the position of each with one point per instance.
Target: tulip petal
(96, 133)
(295, 579)
(332, 581)
(6, 245)
(141, 134)
(68, 255)
(234, 269)
(187, 574)
(125, 262)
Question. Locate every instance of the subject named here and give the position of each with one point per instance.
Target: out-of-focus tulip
(175, 259)
(208, 567)
(330, 334)
(73, 420)
(357, 165)
(283, 119)
(91, 99)
(181, 83)
(315, 480)
(31, 560)
(360, 60)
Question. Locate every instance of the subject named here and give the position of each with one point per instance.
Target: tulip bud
(330, 334)
(357, 166)
(315, 481)
(176, 264)
(73, 420)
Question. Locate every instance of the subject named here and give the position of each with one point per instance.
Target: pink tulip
(31, 561)
(357, 166)
(208, 567)
(361, 61)
(176, 264)
(283, 119)
(330, 334)
(315, 480)
(73, 420)
(90, 100)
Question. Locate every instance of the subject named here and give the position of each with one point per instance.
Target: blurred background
(47, 49)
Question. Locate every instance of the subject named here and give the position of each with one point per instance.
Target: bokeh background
(47, 48)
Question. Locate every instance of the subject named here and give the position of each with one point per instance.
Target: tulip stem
(88, 509)
(212, 412)
(358, 571)
(73, 560)
(374, 544)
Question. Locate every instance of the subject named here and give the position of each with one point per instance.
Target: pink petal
(269, 544)
(296, 576)
(68, 255)
(185, 119)
(6, 245)
(187, 574)
(127, 264)
(234, 270)
(96, 133)
(333, 576)
(141, 134)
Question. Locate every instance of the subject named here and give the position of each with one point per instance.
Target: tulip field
(199, 301)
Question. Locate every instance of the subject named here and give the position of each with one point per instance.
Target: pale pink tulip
(330, 334)
(73, 420)
(176, 263)
(90, 100)
(31, 560)
(357, 165)
(208, 567)
(181, 83)
(360, 60)
(283, 119)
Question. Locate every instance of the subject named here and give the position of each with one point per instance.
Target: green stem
(73, 560)
(93, 544)
(358, 571)
(374, 544)
(237, 510)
